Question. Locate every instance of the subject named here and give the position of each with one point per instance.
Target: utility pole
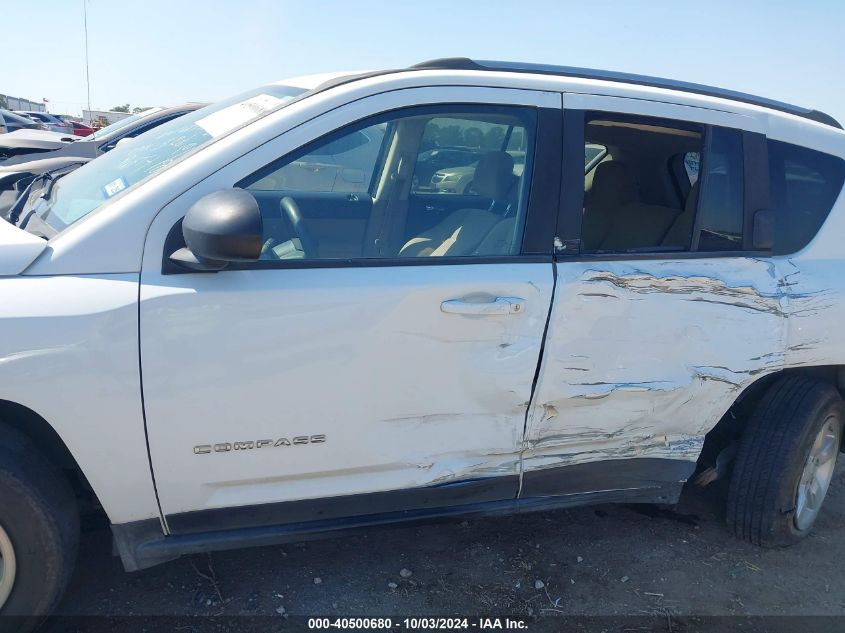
(87, 74)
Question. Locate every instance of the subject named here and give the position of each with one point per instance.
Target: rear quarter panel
(813, 281)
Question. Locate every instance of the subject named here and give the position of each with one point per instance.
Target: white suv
(221, 350)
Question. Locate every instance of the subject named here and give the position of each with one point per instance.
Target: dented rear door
(645, 352)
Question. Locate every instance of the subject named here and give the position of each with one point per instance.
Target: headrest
(494, 175)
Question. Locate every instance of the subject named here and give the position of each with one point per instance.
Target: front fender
(69, 352)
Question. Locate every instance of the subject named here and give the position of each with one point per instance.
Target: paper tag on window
(114, 187)
(228, 119)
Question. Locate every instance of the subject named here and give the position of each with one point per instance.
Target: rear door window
(661, 185)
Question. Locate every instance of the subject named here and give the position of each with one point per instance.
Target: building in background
(17, 103)
(102, 118)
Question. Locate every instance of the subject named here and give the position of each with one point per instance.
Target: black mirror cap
(224, 226)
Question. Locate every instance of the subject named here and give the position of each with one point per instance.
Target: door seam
(536, 380)
(161, 516)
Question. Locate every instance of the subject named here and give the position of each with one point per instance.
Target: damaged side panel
(643, 358)
(815, 299)
(401, 394)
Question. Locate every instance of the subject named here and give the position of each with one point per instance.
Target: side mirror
(222, 227)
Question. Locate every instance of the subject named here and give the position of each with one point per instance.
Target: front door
(380, 356)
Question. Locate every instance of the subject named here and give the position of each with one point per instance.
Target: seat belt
(384, 239)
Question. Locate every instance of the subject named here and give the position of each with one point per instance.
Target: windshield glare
(79, 193)
(119, 125)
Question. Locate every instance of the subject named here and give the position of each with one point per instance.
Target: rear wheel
(817, 473)
(785, 462)
(39, 532)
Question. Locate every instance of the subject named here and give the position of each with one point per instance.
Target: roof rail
(464, 63)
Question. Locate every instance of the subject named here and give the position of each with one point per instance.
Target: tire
(40, 520)
(765, 504)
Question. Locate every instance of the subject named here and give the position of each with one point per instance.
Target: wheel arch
(50, 444)
(830, 374)
(733, 423)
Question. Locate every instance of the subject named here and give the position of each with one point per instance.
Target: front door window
(421, 183)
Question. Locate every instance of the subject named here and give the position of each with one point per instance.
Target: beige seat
(499, 240)
(616, 220)
(680, 232)
(639, 225)
(463, 231)
(613, 187)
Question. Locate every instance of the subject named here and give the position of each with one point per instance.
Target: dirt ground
(641, 567)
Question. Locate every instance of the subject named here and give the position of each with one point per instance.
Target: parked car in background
(31, 141)
(436, 158)
(11, 122)
(51, 121)
(461, 180)
(80, 129)
(13, 148)
(59, 151)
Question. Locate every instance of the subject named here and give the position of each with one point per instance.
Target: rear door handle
(498, 306)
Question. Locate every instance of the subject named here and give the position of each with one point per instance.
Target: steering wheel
(294, 215)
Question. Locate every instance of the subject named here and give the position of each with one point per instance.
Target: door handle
(497, 306)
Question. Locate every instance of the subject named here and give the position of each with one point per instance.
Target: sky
(164, 52)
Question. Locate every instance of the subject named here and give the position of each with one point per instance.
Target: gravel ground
(617, 561)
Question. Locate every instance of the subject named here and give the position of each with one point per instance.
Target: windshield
(79, 193)
(119, 125)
